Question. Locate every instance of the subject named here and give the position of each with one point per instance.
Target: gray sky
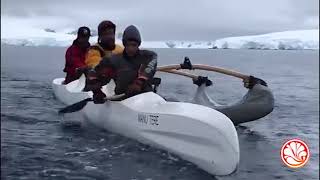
(172, 20)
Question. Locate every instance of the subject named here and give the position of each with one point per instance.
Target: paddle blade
(75, 107)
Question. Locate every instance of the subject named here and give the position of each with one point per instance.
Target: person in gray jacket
(132, 71)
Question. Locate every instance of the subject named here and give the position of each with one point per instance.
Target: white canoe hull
(194, 132)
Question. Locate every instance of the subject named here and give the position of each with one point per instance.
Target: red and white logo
(295, 153)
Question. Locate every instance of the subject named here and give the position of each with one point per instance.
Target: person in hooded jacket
(76, 54)
(132, 71)
(105, 46)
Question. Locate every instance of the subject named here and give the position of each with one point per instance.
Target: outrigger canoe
(201, 132)
(196, 133)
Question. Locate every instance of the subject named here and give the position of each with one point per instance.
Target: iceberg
(287, 40)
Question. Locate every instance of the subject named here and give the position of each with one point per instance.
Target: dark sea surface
(35, 145)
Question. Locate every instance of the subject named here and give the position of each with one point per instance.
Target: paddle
(75, 107)
(81, 104)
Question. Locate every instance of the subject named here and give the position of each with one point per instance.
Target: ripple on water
(35, 146)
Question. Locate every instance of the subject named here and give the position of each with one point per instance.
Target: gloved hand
(105, 75)
(136, 87)
(81, 70)
(92, 81)
(98, 96)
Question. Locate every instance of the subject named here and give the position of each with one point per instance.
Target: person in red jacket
(76, 55)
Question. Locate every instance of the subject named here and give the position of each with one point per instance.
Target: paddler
(105, 46)
(76, 54)
(132, 71)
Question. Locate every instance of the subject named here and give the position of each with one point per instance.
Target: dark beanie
(104, 25)
(131, 33)
(84, 32)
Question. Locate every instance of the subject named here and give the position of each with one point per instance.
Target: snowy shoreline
(288, 40)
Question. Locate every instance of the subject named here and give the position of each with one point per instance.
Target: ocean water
(35, 145)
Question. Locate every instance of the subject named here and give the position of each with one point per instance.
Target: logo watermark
(295, 153)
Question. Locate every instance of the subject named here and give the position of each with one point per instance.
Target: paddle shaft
(205, 67)
(81, 104)
(115, 97)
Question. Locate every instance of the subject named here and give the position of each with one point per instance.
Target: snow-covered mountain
(288, 40)
(302, 39)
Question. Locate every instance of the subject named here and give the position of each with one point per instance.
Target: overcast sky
(169, 19)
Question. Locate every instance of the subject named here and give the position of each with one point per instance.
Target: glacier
(287, 40)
